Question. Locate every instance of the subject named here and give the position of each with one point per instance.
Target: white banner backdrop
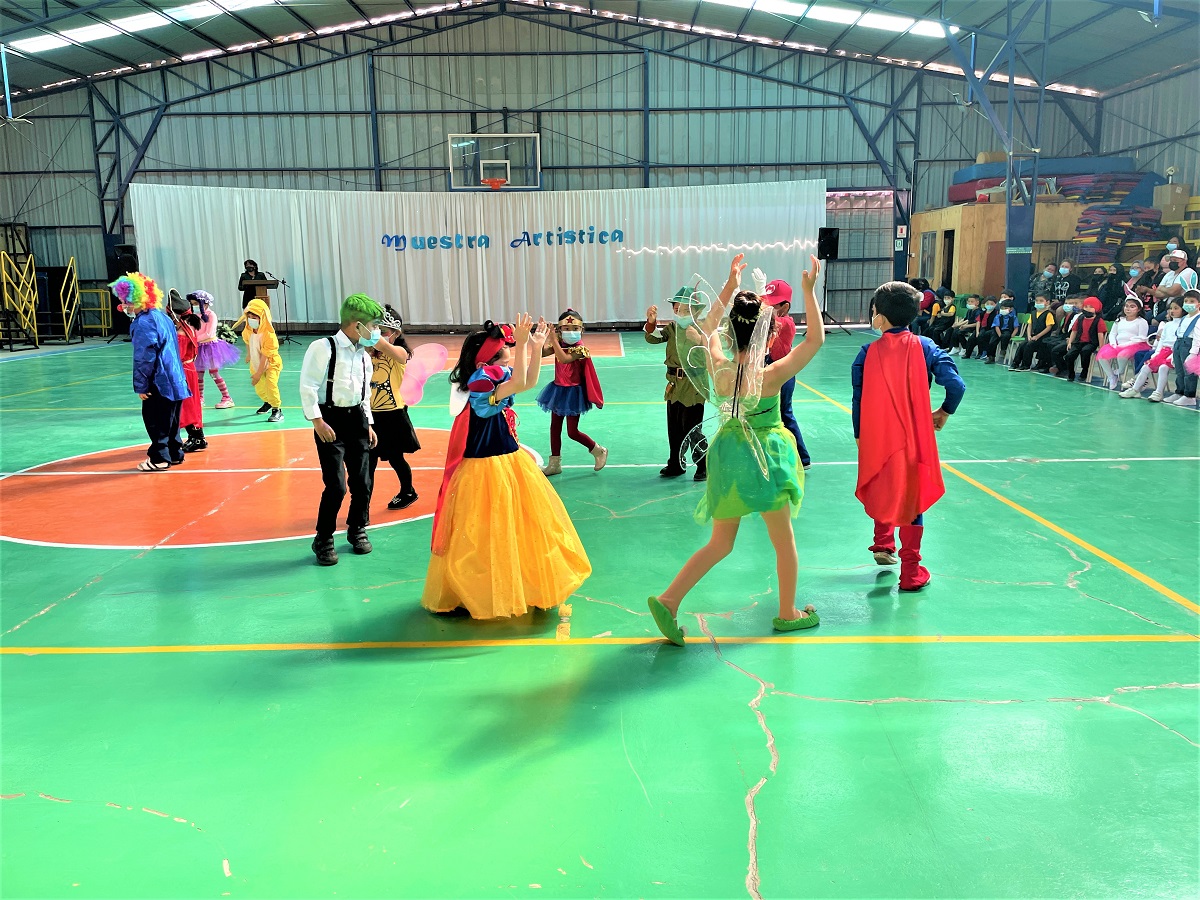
(460, 258)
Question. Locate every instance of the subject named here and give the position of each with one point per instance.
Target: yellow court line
(1062, 532)
(612, 641)
(55, 387)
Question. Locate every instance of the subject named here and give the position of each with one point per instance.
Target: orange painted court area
(250, 486)
(601, 343)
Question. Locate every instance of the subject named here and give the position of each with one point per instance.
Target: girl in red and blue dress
(574, 391)
(502, 540)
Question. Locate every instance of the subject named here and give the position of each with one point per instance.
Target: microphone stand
(287, 337)
(825, 314)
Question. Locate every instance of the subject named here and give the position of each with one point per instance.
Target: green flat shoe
(666, 622)
(812, 620)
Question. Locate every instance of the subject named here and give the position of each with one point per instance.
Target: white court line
(25, 473)
(59, 352)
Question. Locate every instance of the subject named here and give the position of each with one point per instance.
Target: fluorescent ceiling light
(840, 15)
(194, 11)
(90, 33)
(144, 22)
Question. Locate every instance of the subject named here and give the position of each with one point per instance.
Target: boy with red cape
(899, 473)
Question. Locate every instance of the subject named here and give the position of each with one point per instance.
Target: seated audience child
(1004, 326)
(983, 329)
(968, 327)
(1085, 337)
(1125, 338)
(1037, 330)
(1187, 344)
(1056, 340)
(1161, 362)
(942, 319)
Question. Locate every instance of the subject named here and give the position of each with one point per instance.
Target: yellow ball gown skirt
(511, 546)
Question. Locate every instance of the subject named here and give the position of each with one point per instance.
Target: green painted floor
(884, 755)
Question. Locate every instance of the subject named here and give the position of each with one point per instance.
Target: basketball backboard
(477, 158)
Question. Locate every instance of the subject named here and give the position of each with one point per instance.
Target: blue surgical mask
(1039, 305)
(1050, 273)
(1068, 307)
(1064, 271)
(571, 337)
(1135, 272)
(1189, 308)
(1171, 245)
(371, 340)
(253, 323)
(990, 307)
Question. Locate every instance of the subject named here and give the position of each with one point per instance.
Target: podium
(261, 286)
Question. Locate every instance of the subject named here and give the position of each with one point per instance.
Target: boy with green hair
(335, 394)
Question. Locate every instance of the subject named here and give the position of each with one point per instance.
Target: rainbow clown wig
(360, 308)
(136, 293)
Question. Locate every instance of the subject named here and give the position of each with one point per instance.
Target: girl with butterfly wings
(753, 462)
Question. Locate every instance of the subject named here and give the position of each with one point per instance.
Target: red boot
(913, 576)
(884, 546)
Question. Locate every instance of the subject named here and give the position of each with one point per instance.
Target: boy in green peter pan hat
(684, 395)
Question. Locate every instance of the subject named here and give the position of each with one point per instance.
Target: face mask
(1039, 306)
(371, 340)
(1005, 310)
(1189, 308)
(1067, 307)
(571, 337)
(972, 306)
(1135, 272)
(1049, 273)
(1064, 271)
(1174, 265)
(1089, 313)
(129, 311)
(253, 323)
(1172, 246)
(990, 307)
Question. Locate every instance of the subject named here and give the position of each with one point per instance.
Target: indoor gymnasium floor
(192, 708)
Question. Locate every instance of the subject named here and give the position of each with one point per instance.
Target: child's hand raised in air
(808, 280)
(522, 328)
(652, 316)
(736, 267)
(540, 333)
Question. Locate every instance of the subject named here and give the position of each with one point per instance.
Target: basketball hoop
(494, 183)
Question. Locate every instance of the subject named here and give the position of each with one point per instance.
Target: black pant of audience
(1023, 359)
(971, 340)
(991, 342)
(347, 457)
(1067, 358)
(161, 418)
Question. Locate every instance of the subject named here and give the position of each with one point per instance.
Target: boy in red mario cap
(778, 295)
(1087, 335)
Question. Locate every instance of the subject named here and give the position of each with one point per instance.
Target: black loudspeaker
(827, 243)
(122, 259)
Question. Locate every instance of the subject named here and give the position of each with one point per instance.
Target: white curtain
(328, 244)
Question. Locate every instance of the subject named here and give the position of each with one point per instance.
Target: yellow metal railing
(102, 321)
(68, 296)
(19, 290)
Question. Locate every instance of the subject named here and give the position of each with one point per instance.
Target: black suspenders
(333, 368)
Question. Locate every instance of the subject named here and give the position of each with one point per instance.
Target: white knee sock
(1143, 376)
(1163, 373)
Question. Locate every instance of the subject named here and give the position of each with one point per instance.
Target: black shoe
(326, 554)
(358, 542)
(989, 362)
(671, 472)
(195, 445)
(701, 475)
(403, 500)
(266, 407)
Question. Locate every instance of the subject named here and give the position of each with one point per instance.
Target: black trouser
(920, 325)
(682, 422)
(1078, 351)
(1025, 353)
(1185, 381)
(991, 341)
(161, 418)
(1055, 346)
(345, 458)
(972, 340)
(939, 332)
(958, 337)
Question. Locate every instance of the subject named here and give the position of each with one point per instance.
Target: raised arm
(386, 347)
(537, 341)
(520, 366)
(779, 372)
(732, 283)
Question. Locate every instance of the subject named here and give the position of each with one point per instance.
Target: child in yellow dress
(502, 540)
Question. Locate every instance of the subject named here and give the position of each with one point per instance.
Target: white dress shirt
(351, 376)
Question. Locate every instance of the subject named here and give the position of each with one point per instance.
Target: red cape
(899, 473)
(454, 455)
(591, 383)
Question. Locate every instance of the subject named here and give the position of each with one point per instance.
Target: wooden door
(993, 272)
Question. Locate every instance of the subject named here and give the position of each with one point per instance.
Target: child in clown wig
(574, 391)
(502, 541)
(157, 371)
(265, 362)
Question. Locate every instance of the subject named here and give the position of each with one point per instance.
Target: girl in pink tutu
(1126, 337)
(214, 354)
(1161, 363)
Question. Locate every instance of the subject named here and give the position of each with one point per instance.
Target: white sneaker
(227, 403)
(1170, 398)
(1128, 394)
(1156, 397)
(1186, 402)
